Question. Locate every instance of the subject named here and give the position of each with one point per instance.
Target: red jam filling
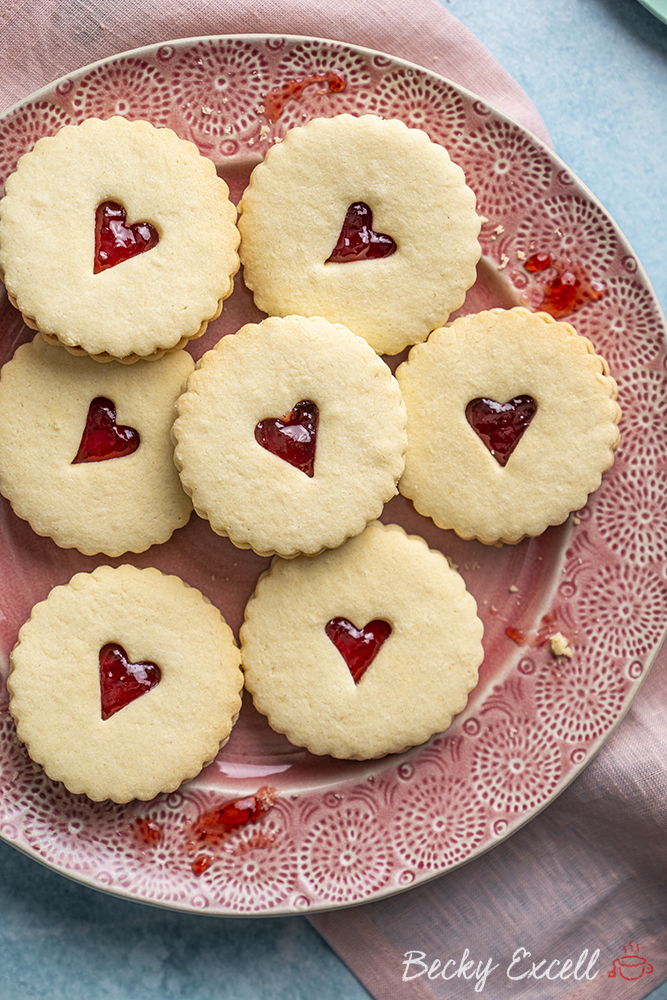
(115, 241)
(122, 681)
(358, 240)
(214, 826)
(275, 100)
(357, 646)
(501, 425)
(102, 437)
(567, 287)
(293, 437)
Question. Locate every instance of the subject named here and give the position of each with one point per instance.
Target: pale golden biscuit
(499, 355)
(292, 213)
(419, 679)
(114, 505)
(251, 494)
(162, 737)
(155, 301)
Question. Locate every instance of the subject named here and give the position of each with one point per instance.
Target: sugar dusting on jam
(292, 90)
(501, 425)
(358, 646)
(292, 437)
(210, 830)
(121, 680)
(566, 286)
(115, 241)
(102, 437)
(358, 240)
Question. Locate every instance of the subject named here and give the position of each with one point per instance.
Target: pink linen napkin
(41, 41)
(587, 876)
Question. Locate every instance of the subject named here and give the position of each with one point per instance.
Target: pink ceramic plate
(345, 832)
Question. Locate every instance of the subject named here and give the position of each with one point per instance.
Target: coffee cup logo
(631, 965)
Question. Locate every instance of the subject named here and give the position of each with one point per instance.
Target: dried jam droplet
(147, 832)
(122, 681)
(293, 437)
(102, 437)
(516, 634)
(358, 240)
(292, 90)
(201, 863)
(358, 646)
(115, 241)
(501, 425)
(538, 262)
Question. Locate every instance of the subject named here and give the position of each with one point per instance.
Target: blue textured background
(597, 72)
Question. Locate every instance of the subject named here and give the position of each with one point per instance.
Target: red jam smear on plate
(292, 437)
(292, 90)
(147, 833)
(121, 681)
(566, 287)
(358, 240)
(358, 646)
(102, 437)
(115, 241)
(209, 831)
(501, 425)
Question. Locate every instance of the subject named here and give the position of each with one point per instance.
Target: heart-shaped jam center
(293, 437)
(102, 437)
(122, 681)
(358, 240)
(115, 241)
(501, 425)
(357, 646)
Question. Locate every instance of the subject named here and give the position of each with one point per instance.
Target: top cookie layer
(144, 306)
(417, 681)
(495, 357)
(161, 737)
(260, 375)
(293, 210)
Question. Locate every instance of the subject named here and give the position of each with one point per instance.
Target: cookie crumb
(560, 645)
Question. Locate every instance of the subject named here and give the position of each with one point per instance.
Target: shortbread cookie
(85, 449)
(124, 683)
(290, 437)
(362, 221)
(117, 239)
(512, 419)
(365, 650)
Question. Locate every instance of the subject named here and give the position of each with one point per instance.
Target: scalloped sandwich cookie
(365, 222)
(124, 683)
(290, 436)
(85, 449)
(512, 420)
(117, 239)
(365, 650)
